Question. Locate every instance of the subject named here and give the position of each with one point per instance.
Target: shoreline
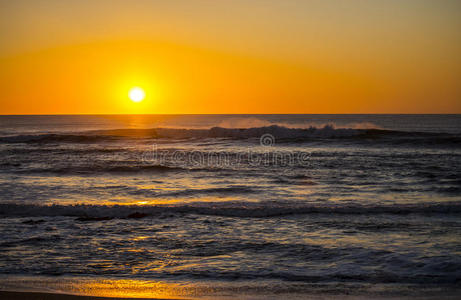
(36, 295)
(15, 295)
(107, 288)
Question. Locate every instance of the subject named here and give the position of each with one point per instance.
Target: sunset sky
(70, 57)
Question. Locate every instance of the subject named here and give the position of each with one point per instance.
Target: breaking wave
(278, 132)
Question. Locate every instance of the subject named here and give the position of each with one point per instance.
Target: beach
(249, 149)
(7, 295)
(222, 205)
(50, 296)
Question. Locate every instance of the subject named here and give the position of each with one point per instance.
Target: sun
(136, 94)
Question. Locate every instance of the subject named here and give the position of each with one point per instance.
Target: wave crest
(280, 133)
(228, 209)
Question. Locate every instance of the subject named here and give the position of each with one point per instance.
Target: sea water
(232, 204)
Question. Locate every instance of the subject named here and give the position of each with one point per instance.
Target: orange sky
(69, 57)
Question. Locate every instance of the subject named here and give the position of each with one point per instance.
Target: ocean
(246, 206)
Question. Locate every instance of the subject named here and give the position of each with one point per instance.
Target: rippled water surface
(252, 204)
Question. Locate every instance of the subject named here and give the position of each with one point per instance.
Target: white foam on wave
(246, 123)
(276, 131)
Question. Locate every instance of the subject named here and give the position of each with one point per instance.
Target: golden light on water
(124, 288)
(131, 289)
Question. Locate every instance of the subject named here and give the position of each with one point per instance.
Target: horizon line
(197, 114)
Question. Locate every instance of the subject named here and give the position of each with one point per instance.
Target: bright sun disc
(136, 94)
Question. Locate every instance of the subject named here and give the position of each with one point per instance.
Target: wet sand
(7, 295)
(50, 296)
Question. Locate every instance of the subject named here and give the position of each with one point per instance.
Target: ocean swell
(280, 133)
(233, 209)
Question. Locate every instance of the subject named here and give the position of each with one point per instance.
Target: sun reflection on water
(107, 287)
(131, 289)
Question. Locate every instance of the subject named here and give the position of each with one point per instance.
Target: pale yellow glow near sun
(136, 94)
